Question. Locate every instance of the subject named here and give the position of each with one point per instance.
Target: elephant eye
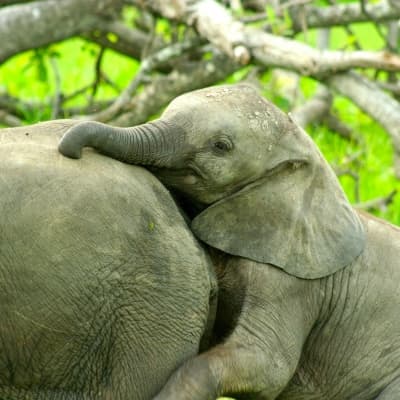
(222, 145)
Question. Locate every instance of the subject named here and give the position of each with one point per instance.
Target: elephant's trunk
(153, 143)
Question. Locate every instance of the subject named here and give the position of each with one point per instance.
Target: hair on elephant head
(267, 192)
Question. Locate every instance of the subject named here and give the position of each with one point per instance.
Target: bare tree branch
(276, 51)
(216, 24)
(9, 119)
(381, 203)
(355, 177)
(212, 21)
(389, 86)
(314, 110)
(318, 107)
(4, 3)
(376, 103)
(13, 105)
(58, 97)
(127, 40)
(39, 23)
(336, 125)
(343, 14)
(164, 89)
(147, 65)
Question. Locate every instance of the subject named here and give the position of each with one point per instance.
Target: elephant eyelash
(222, 145)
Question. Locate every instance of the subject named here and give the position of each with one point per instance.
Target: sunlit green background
(29, 76)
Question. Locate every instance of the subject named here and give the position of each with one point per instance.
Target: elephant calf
(104, 291)
(309, 294)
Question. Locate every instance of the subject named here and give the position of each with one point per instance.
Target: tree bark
(35, 24)
(342, 14)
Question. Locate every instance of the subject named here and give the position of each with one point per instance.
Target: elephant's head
(270, 195)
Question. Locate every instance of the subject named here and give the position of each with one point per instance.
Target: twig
(10, 2)
(215, 23)
(58, 96)
(293, 3)
(39, 23)
(344, 14)
(130, 41)
(371, 18)
(87, 109)
(318, 107)
(146, 66)
(9, 119)
(315, 109)
(211, 20)
(336, 125)
(165, 88)
(389, 86)
(376, 103)
(248, 19)
(14, 105)
(78, 92)
(356, 179)
(97, 70)
(380, 203)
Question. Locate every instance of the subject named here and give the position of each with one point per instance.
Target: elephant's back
(89, 244)
(35, 177)
(37, 182)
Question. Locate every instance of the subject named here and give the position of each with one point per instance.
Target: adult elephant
(103, 289)
(309, 289)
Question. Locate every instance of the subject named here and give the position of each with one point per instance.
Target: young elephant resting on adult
(309, 287)
(104, 291)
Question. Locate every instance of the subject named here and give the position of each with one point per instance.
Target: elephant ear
(296, 218)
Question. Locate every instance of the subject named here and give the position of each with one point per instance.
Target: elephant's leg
(391, 392)
(228, 369)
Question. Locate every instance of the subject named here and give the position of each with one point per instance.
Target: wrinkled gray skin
(104, 291)
(309, 289)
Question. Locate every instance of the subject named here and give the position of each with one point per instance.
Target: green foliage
(31, 76)
(369, 161)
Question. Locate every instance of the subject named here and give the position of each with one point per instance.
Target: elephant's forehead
(239, 102)
(226, 109)
(220, 97)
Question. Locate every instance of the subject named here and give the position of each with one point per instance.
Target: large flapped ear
(297, 219)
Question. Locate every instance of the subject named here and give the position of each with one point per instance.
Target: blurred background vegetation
(109, 56)
(86, 73)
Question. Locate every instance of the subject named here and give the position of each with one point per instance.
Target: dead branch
(275, 51)
(355, 177)
(147, 65)
(315, 109)
(380, 203)
(13, 105)
(4, 3)
(336, 125)
(58, 96)
(210, 19)
(128, 41)
(35, 24)
(9, 119)
(215, 23)
(344, 14)
(390, 87)
(164, 89)
(373, 101)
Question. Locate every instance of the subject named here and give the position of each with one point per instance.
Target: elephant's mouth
(178, 177)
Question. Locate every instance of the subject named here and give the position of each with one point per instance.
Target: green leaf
(112, 37)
